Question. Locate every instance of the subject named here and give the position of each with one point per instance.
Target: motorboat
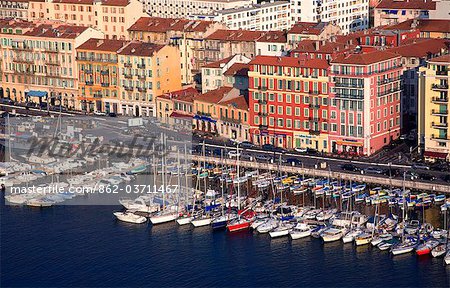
(238, 224)
(202, 220)
(363, 239)
(184, 219)
(351, 235)
(282, 229)
(301, 230)
(380, 238)
(268, 226)
(130, 217)
(40, 202)
(326, 215)
(406, 246)
(162, 217)
(385, 245)
(439, 250)
(426, 247)
(317, 231)
(412, 227)
(311, 214)
(331, 234)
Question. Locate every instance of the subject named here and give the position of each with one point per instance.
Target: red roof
(214, 96)
(309, 28)
(122, 3)
(433, 154)
(181, 115)
(441, 59)
(185, 95)
(240, 102)
(407, 4)
(140, 49)
(237, 69)
(365, 58)
(419, 47)
(162, 25)
(56, 31)
(107, 45)
(235, 35)
(290, 62)
(217, 64)
(424, 25)
(273, 37)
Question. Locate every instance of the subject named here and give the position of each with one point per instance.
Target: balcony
(141, 89)
(442, 73)
(22, 48)
(315, 119)
(314, 92)
(53, 62)
(128, 65)
(128, 88)
(439, 125)
(141, 77)
(263, 127)
(141, 66)
(440, 138)
(83, 58)
(105, 84)
(348, 85)
(439, 112)
(439, 100)
(262, 114)
(314, 106)
(314, 132)
(89, 83)
(439, 86)
(388, 80)
(262, 88)
(104, 72)
(98, 95)
(349, 96)
(230, 120)
(389, 91)
(23, 60)
(87, 71)
(128, 76)
(262, 102)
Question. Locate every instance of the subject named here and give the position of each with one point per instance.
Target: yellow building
(112, 17)
(98, 70)
(434, 109)
(39, 61)
(223, 112)
(177, 107)
(147, 70)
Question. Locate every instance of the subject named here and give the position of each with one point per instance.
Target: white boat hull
(159, 219)
(279, 233)
(399, 251)
(184, 220)
(298, 235)
(201, 222)
(364, 241)
(331, 238)
(348, 239)
(136, 219)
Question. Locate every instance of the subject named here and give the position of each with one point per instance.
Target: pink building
(365, 102)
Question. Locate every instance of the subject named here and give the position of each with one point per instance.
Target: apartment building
(288, 99)
(15, 9)
(177, 107)
(112, 17)
(349, 15)
(389, 12)
(185, 8)
(426, 28)
(434, 109)
(223, 112)
(99, 78)
(364, 102)
(312, 31)
(188, 35)
(222, 72)
(146, 71)
(264, 16)
(39, 60)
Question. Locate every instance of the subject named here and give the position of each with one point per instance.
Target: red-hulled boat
(243, 222)
(425, 248)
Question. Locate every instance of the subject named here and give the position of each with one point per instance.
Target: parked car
(301, 150)
(99, 113)
(112, 114)
(411, 175)
(311, 151)
(350, 167)
(373, 170)
(6, 101)
(247, 144)
(268, 147)
(245, 156)
(262, 157)
(426, 177)
(293, 161)
(446, 178)
(233, 154)
(420, 166)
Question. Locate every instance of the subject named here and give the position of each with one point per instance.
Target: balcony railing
(315, 119)
(348, 85)
(23, 60)
(439, 112)
(230, 120)
(128, 88)
(263, 114)
(105, 84)
(87, 71)
(141, 66)
(142, 77)
(98, 95)
(263, 127)
(314, 132)
(129, 76)
(314, 106)
(388, 80)
(442, 72)
(262, 88)
(128, 64)
(444, 138)
(389, 91)
(104, 72)
(348, 96)
(141, 89)
(439, 125)
(439, 86)
(89, 83)
(262, 102)
(439, 100)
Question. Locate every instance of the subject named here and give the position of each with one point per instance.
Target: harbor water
(68, 246)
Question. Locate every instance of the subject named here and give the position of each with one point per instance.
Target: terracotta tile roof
(140, 49)
(364, 58)
(421, 47)
(121, 3)
(308, 28)
(185, 95)
(424, 25)
(235, 35)
(217, 64)
(237, 69)
(240, 102)
(290, 62)
(16, 23)
(107, 45)
(55, 31)
(313, 46)
(407, 4)
(214, 96)
(273, 37)
(162, 25)
(441, 59)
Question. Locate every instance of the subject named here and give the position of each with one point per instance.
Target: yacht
(406, 246)
(331, 234)
(282, 230)
(351, 235)
(130, 217)
(160, 218)
(363, 239)
(301, 230)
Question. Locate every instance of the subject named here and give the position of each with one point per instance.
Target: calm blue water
(85, 246)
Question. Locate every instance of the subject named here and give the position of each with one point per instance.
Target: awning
(433, 154)
(35, 93)
(180, 115)
(349, 143)
(197, 117)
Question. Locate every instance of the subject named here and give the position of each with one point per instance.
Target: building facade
(112, 17)
(177, 107)
(433, 132)
(288, 100)
(14, 9)
(39, 61)
(365, 102)
(389, 12)
(146, 70)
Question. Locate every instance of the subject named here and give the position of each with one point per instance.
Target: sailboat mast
(238, 175)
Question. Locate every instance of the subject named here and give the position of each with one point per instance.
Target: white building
(185, 8)
(273, 15)
(350, 15)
